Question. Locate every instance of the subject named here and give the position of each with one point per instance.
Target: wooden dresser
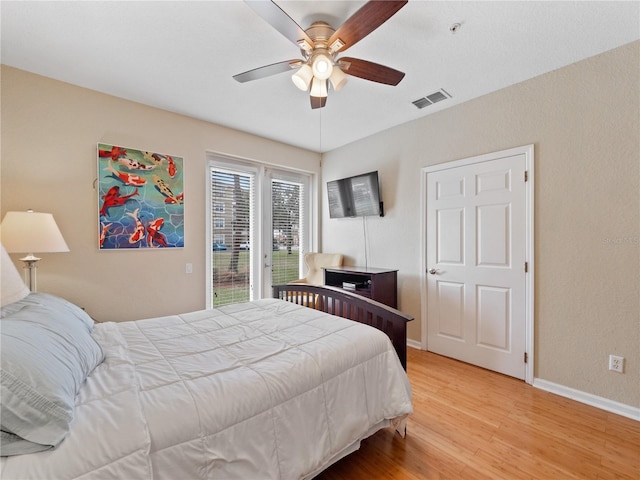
(377, 284)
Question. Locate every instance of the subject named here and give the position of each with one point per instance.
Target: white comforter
(259, 390)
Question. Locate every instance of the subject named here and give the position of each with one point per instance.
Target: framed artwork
(140, 199)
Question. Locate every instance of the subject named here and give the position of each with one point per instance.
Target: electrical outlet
(616, 363)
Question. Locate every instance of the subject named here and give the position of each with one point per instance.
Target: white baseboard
(588, 398)
(414, 344)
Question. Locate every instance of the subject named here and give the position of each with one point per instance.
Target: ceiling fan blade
(370, 71)
(318, 102)
(267, 70)
(278, 19)
(373, 14)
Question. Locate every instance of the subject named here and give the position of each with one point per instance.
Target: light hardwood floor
(469, 423)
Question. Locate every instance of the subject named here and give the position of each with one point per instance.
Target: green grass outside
(230, 287)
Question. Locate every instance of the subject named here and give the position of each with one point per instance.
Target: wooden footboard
(354, 307)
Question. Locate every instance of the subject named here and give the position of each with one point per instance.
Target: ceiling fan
(320, 45)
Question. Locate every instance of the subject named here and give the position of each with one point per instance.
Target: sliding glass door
(259, 229)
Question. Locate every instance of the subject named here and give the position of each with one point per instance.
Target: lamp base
(30, 269)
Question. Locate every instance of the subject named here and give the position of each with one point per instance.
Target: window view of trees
(286, 206)
(286, 214)
(232, 195)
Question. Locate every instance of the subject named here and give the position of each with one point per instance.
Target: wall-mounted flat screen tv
(356, 196)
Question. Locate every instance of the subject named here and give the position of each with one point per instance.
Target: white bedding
(258, 390)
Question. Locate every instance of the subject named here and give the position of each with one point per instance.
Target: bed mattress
(258, 390)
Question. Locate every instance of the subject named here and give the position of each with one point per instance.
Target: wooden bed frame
(337, 301)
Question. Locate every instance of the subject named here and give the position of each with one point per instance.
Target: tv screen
(356, 196)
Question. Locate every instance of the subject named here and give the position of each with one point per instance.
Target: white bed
(265, 389)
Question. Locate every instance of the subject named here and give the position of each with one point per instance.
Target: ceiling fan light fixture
(322, 66)
(319, 88)
(320, 69)
(338, 78)
(302, 78)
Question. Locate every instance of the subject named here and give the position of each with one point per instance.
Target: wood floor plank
(469, 423)
(558, 452)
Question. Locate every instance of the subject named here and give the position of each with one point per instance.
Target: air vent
(432, 98)
(422, 102)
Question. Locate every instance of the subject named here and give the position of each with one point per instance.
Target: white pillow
(12, 287)
(47, 353)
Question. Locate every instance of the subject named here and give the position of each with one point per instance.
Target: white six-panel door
(476, 255)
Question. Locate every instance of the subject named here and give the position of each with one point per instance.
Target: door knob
(433, 271)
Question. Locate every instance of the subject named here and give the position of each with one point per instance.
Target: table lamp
(31, 232)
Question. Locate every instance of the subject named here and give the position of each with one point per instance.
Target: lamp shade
(318, 88)
(31, 232)
(302, 78)
(338, 78)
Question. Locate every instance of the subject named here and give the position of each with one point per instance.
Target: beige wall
(584, 123)
(48, 163)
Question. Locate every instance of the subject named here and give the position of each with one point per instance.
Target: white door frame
(528, 152)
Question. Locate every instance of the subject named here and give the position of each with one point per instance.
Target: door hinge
(526, 357)
(526, 175)
(526, 267)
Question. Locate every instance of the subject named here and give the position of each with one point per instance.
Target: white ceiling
(180, 56)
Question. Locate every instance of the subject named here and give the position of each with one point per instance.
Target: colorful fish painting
(140, 198)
